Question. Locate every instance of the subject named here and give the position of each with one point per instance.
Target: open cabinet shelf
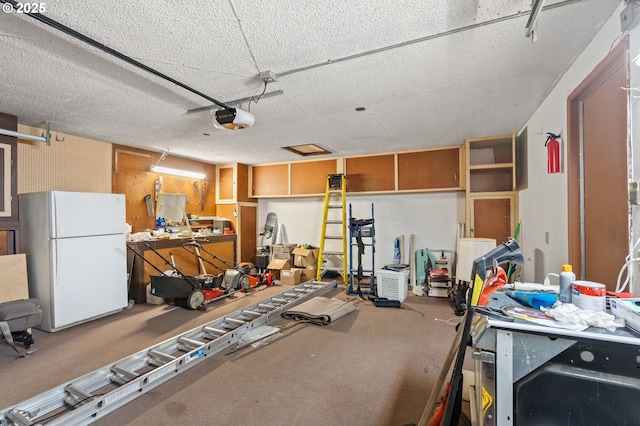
(491, 197)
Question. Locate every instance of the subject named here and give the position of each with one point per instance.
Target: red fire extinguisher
(553, 153)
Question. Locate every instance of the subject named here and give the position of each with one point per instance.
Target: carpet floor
(374, 366)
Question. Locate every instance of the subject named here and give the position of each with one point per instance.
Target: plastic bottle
(567, 277)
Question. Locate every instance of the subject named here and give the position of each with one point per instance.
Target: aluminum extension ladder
(96, 394)
(336, 188)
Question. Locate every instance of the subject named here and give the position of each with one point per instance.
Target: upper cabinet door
(232, 183)
(430, 170)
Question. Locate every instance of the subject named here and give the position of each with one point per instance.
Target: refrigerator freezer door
(78, 214)
(89, 279)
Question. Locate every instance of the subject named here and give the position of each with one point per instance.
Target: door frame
(617, 57)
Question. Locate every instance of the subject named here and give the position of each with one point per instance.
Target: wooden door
(248, 220)
(492, 218)
(598, 113)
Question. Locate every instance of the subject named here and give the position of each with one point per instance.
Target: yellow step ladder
(334, 217)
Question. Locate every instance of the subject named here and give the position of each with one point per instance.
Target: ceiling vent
(306, 149)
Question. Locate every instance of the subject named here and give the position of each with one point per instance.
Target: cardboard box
(291, 276)
(14, 278)
(628, 310)
(309, 274)
(305, 257)
(278, 265)
(283, 251)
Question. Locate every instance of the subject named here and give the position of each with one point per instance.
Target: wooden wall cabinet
(491, 197)
(244, 219)
(434, 169)
(374, 173)
(310, 177)
(232, 183)
(437, 169)
(270, 180)
(234, 202)
(302, 178)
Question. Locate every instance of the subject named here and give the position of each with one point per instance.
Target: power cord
(627, 261)
(411, 309)
(451, 321)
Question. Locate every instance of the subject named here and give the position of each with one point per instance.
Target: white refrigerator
(76, 254)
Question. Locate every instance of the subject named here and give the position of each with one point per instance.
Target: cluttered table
(533, 370)
(536, 324)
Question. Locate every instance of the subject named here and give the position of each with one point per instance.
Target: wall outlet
(633, 193)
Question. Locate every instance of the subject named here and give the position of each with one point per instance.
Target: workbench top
(158, 243)
(498, 299)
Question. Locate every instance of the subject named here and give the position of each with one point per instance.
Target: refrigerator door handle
(55, 266)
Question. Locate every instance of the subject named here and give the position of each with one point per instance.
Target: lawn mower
(246, 274)
(191, 292)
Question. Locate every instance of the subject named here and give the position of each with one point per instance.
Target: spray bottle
(567, 277)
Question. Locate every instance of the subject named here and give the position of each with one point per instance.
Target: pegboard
(69, 163)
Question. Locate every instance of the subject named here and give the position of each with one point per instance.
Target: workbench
(539, 375)
(223, 246)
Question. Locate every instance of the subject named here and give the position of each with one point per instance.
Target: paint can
(589, 295)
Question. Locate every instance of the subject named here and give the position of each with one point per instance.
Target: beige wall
(69, 163)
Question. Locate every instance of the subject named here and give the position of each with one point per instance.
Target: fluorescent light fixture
(177, 172)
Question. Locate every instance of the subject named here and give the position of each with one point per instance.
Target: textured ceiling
(428, 72)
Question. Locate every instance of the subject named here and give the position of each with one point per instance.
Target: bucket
(588, 295)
